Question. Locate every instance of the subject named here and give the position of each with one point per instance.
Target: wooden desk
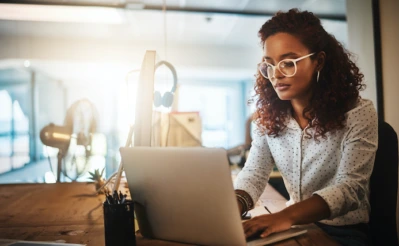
(69, 212)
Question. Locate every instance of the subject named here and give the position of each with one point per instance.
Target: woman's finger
(251, 224)
(248, 224)
(254, 230)
(267, 232)
(250, 227)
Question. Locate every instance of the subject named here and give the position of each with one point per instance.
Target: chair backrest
(384, 188)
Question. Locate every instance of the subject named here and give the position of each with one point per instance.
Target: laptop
(15, 242)
(186, 194)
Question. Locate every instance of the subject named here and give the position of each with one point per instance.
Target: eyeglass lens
(286, 67)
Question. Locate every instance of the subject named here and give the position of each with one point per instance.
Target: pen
(123, 199)
(106, 196)
(109, 197)
(120, 196)
(108, 201)
(115, 197)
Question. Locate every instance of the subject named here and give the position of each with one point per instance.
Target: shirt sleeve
(358, 153)
(255, 174)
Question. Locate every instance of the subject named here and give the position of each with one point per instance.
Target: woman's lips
(281, 87)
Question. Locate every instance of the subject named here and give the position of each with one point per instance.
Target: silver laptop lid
(183, 194)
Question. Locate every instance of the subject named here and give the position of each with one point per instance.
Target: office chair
(384, 188)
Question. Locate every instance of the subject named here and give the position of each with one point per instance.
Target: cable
(170, 66)
(164, 28)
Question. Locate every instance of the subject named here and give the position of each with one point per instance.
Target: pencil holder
(119, 224)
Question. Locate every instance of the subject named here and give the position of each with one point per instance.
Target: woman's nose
(278, 74)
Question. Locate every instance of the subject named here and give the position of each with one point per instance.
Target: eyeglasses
(287, 67)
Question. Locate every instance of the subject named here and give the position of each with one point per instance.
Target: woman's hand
(267, 224)
(308, 211)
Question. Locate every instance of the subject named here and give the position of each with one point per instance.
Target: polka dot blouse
(337, 168)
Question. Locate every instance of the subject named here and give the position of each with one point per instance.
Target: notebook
(186, 194)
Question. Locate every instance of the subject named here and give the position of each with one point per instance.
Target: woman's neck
(297, 112)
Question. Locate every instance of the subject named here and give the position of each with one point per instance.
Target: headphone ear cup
(167, 99)
(157, 99)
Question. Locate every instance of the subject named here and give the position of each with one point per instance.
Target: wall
(361, 43)
(389, 17)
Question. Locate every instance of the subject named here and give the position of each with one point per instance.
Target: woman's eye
(287, 64)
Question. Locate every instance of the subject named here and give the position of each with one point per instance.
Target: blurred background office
(77, 63)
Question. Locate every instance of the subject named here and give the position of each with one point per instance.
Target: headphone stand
(120, 169)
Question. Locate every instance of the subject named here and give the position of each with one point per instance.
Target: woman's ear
(321, 58)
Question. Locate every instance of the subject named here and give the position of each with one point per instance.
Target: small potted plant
(98, 179)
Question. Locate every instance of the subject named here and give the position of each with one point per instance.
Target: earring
(318, 74)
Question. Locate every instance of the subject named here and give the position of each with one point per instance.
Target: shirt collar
(291, 123)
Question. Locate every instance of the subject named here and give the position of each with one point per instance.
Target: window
(14, 134)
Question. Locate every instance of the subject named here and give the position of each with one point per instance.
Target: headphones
(166, 99)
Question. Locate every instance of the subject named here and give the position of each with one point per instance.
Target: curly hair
(335, 93)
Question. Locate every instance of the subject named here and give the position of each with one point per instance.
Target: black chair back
(384, 188)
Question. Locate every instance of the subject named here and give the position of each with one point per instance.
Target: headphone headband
(172, 69)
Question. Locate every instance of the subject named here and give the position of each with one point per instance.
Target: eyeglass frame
(278, 67)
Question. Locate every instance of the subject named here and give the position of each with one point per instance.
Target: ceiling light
(56, 13)
(136, 5)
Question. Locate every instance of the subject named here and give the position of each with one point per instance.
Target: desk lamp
(57, 137)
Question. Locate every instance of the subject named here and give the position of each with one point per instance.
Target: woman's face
(282, 46)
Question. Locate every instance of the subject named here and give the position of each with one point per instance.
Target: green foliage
(97, 175)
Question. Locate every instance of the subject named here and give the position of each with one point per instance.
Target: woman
(313, 125)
